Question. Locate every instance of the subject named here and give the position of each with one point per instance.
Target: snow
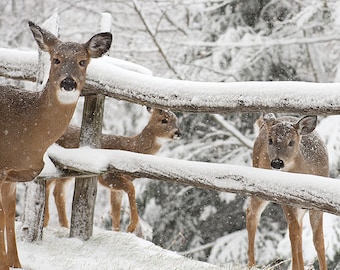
(212, 96)
(106, 249)
(61, 252)
(288, 96)
(305, 190)
(216, 175)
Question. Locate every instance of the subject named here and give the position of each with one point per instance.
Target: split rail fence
(121, 80)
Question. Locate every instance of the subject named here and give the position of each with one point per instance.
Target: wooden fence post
(86, 188)
(33, 216)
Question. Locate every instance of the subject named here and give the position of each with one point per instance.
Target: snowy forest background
(219, 41)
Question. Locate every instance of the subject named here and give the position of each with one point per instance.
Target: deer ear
(44, 38)
(268, 119)
(99, 44)
(306, 125)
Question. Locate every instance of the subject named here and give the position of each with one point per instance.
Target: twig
(233, 131)
(179, 236)
(264, 43)
(158, 45)
(196, 249)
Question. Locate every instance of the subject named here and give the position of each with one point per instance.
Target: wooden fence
(107, 78)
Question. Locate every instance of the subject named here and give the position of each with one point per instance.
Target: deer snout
(177, 134)
(68, 84)
(277, 164)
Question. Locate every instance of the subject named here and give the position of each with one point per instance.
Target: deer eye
(291, 143)
(82, 63)
(270, 141)
(56, 61)
(164, 121)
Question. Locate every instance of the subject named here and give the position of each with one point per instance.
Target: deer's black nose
(277, 164)
(68, 84)
(178, 134)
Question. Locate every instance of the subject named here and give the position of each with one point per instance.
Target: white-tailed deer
(32, 121)
(161, 126)
(289, 144)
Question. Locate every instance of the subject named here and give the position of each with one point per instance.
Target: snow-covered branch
(308, 191)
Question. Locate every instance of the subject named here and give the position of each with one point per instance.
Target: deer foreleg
(3, 255)
(254, 211)
(130, 190)
(316, 221)
(294, 219)
(8, 191)
(59, 198)
(49, 183)
(116, 202)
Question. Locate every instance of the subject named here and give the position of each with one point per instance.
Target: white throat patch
(67, 97)
(160, 140)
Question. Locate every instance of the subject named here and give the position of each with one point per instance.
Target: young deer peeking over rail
(31, 121)
(289, 144)
(162, 126)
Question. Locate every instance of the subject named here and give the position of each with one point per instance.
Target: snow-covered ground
(105, 250)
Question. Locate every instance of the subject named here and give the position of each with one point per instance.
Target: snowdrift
(105, 250)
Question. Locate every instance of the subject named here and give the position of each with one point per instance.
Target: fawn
(162, 126)
(289, 144)
(32, 121)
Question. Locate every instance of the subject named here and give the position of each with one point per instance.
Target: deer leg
(8, 191)
(316, 221)
(254, 211)
(3, 255)
(129, 188)
(294, 217)
(116, 202)
(59, 198)
(47, 198)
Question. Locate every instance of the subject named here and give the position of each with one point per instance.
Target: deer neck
(54, 108)
(147, 142)
(31, 124)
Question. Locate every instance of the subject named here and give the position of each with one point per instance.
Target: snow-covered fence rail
(308, 191)
(114, 81)
(106, 76)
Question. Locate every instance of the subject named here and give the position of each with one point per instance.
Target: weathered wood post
(86, 188)
(33, 216)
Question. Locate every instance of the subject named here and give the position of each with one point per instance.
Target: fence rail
(111, 80)
(308, 191)
(134, 83)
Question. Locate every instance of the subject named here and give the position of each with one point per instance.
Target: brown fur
(291, 145)
(32, 121)
(162, 125)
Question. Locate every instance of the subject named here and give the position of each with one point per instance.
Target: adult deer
(32, 121)
(289, 144)
(162, 126)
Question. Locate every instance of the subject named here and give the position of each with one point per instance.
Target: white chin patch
(160, 140)
(68, 97)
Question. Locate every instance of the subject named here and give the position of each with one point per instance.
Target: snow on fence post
(33, 216)
(85, 190)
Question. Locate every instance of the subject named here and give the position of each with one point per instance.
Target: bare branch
(158, 45)
(265, 43)
(233, 131)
